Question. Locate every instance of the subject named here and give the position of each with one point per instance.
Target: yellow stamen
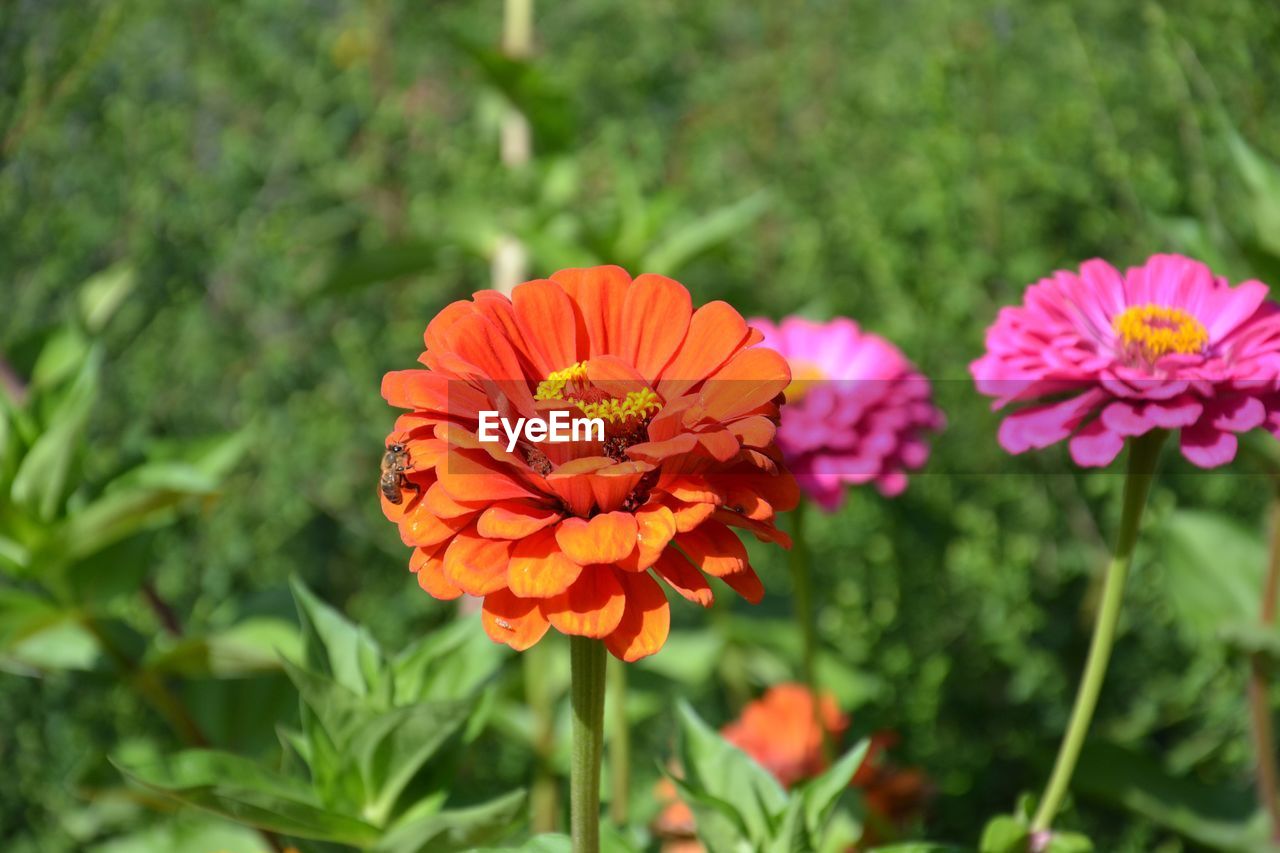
(637, 404)
(552, 388)
(803, 376)
(1154, 331)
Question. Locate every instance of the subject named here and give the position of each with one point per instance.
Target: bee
(394, 463)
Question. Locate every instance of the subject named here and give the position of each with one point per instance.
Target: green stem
(587, 664)
(1264, 739)
(619, 744)
(543, 798)
(1143, 452)
(802, 583)
(807, 618)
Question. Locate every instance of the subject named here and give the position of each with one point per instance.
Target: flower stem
(1143, 452)
(1259, 686)
(619, 744)
(802, 583)
(587, 664)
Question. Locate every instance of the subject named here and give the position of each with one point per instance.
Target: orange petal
(764, 532)
(646, 619)
(592, 607)
(614, 376)
(598, 293)
(428, 565)
(611, 486)
(538, 569)
(747, 584)
(572, 486)
(442, 504)
(547, 324)
(716, 331)
(689, 516)
(655, 319)
(512, 520)
(714, 548)
(436, 334)
(751, 378)
(518, 622)
(655, 525)
(476, 565)
(607, 538)
(468, 475)
(656, 452)
(681, 576)
(755, 431)
(421, 527)
(720, 444)
(482, 343)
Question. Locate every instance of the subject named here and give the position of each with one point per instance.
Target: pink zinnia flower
(1106, 357)
(856, 411)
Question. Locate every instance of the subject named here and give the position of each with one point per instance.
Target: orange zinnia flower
(571, 534)
(780, 731)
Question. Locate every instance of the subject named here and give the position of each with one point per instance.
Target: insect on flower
(580, 534)
(395, 462)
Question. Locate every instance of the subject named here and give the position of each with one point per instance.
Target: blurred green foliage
(271, 197)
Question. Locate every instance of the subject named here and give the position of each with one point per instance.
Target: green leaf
(1213, 569)
(41, 478)
(1069, 842)
(716, 768)
(703, 234)
(456, 829)
(921, 847)
(247, 793)
(820, 795)
(538, 844)
(1004, 834)
(391, 747)
(1261, 178)
(246, 648)
(1223, 817)
(451, 662)
(103, 294)
(791, 835)
(721, 828)
(334, 645)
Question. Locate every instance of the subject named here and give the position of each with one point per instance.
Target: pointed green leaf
(247, 793)
(1004, 834)
(721, 770)
(391, 747)
(820, 795)
(455, 829)
(334, 645)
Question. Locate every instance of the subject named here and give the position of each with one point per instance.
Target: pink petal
(1041, 426)
(1207, 447)
(1095, 446)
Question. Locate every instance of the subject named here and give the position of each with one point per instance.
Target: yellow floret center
(804, 376)
(1154, 331)
(568, 383)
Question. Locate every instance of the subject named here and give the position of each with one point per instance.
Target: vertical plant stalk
(509, 264)
(806, 616)
(1143, 453)
(619, 744)
(543, 798)
(1264, 739)
(587, 663)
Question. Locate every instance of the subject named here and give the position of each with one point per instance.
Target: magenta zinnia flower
(1105, 357)
(857, 410)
